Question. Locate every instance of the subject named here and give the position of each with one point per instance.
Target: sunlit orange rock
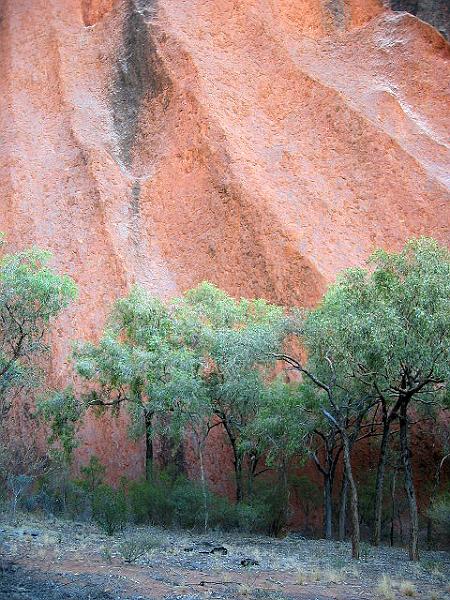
(260, 144)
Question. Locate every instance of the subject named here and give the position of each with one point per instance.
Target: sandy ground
(49, 559)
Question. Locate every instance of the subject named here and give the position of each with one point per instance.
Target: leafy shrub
(92, 475)
(223, 514)
(57, 493)
(140, 498)
(266, 511)
(109, 508)
(150, 501)
(439, 512)
(187, 503)
(175, 500)
(137, 545)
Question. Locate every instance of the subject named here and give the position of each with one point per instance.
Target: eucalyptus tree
(117, 371)
(288, 425)
(343, 407)
(181, 393)
(381, 335)
(234, 341)
(280, 432)
(32, 295)
(405, 352)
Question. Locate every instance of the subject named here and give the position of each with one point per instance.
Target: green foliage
(439, 512)
(186, 500)
(31, 295)
(109, 508)
(92, 475)
(388, 326)
(136, 546)
(283, 421)
(307, 491)
(63, 412)
(201, 360)
(56, 491)
(142, 497)
(167, 500)
(177, 501)
(266, 511)
(130, 355)
(217, 372)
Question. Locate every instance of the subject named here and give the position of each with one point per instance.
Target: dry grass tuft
(301, 578)
(245, 591)
(319, 576)
(385, 589)
(408, 589)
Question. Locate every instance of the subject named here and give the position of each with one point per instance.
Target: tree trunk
(204, 490)
(436, 485)
(393, 485)
(238, 477)
(409, 484)
(327, 506)
(285, 481)
(343, 507)
(252, 466)
(379, 486)
(148, 446)
(354, 511)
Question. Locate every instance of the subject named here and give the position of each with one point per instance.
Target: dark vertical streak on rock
(135, 213)
(336, 8)
(139, 76)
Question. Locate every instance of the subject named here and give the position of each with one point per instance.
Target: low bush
(109, 508)
(439, 512)
(171, 500)
(187, 503)
(136, 546)
(140, 500)
(92, 475)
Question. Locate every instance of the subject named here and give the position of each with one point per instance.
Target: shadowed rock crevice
(435, 12)
(139, 76)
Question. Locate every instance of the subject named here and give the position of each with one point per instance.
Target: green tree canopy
(31, 295)
(381, 335)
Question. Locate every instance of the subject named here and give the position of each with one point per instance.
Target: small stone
(219, 550)
(249, 562)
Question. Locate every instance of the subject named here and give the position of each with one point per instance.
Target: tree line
(284, 385)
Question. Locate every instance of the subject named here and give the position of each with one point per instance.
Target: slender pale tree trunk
(285, 486)
(409, 484)
(393, 486)
(204, 490)
(354, 511)
(343, 507)
(238, 477)
(437, 481)
(379, 486)
(328, 506)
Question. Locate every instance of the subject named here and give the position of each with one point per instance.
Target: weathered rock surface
(435, 12)
(260, 144)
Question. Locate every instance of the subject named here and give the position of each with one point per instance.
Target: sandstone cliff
(260, 144)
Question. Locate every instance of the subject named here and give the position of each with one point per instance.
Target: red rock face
(260, 144)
